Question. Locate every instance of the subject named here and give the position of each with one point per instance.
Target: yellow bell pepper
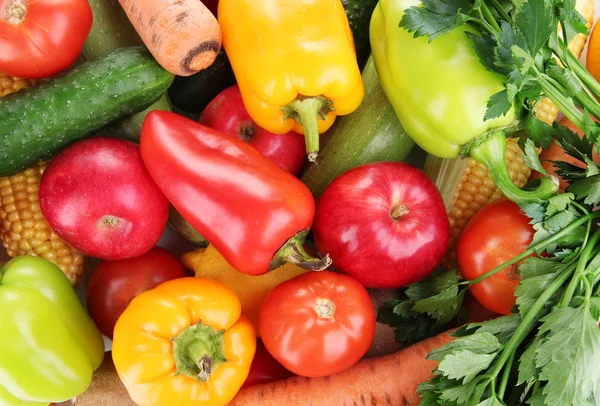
(251, 290)
(184, 342)
(295, 63)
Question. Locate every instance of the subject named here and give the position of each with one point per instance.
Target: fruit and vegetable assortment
(311, 154)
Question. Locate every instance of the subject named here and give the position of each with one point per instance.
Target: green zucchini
(371, 134)
(112, 30)
(359, 16)
(39, 122)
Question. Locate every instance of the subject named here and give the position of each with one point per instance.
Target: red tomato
(265, 368)
(115, 283)
(40, 38)
(498, 232)
(318, 323)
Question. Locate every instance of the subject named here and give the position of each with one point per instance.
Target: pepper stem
(307, 111)
(293, 251)
(490, 152)
(198, 351)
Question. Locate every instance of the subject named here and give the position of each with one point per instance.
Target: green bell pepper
(49, 345)
(440, 91)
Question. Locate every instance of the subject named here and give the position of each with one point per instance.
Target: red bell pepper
(253, 212)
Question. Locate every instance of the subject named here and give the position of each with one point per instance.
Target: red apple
(226, 113)
(98, 196)
(385, 224)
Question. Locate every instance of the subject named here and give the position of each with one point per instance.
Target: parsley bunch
(548, 351)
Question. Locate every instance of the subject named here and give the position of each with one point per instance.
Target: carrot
(389, 380)
(183, 35)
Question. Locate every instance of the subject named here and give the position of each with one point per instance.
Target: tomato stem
(15, 11)
(535, 248)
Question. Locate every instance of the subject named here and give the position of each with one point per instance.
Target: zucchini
(359, 16)
(39, 122)
(371, 134)
(112, 30)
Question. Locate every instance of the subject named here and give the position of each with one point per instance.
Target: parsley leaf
(528, 370)
(479, 343)
(569, 171)
(536, 22)
(484, 46)
(498, 105)
(588, 188)
(465, 365)
(558, 203)
(493, 401)
(502, 327)
(538, 131)
(461, 394)
(531, 158)
(568, 357)
(435, 17)
(571, 19)
(537, 275)
(573, 145)
(535, 211)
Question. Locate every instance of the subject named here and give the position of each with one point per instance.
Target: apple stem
(325, 308)
(399, 211)
(15, 11)
(293, 251)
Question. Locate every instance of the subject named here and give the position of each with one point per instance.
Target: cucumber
(371, 134)
(39, 122)
(359, 16)
(112, 30)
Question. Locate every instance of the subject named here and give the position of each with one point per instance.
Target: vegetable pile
(231, 187)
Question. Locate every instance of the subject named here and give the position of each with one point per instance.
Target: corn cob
(467, 186)
(23, 229)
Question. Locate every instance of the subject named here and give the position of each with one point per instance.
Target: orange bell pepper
(184, 342)
(295, 63)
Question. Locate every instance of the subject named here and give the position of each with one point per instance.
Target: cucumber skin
(371, 134)
(112, 30)
(39, 122)
(359, 14)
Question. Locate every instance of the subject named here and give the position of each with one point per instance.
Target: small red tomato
(265, 368)
(498, 232)
(115, 283)
(40, 38)
(318, 324)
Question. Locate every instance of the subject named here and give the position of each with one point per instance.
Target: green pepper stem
(307, 111)
(198, 350)
(293, 251)
(490, 152)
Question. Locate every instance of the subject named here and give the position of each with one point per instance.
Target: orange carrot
(391, 380)
(183, 35)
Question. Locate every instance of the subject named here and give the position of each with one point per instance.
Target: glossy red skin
(226, 113)
(48, 40)
(241, 202)
(265, 368)
(497, 233)
(354, 226)
(101, 177)
(311, 346)
(114, 284)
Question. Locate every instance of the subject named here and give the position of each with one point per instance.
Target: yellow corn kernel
(23, 229)
(11, 84)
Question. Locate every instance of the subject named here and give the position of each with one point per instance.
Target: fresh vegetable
(318, 324)
(114, 284)
(440, 91)
(112, 30)
(265, 368)
(295, 63)
(86, 99)
(554, 154)
(387, 380)
(359, 15)
(90, 194)
(371, 134)
(593, 50)
(466, 184)
(253, 212)
(11, 84)
(187, 340)
(382, 223)
(183, 37)
(23, 229)
(40, 38)
(498, 233)
(227, 114)
(251, 290)
(193, 93)
(45, 334)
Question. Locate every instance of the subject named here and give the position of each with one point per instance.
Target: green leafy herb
(435, 17)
